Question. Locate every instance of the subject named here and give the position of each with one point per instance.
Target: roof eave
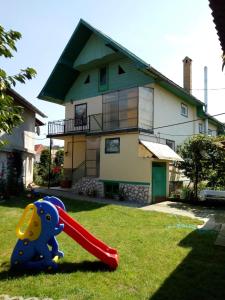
(27, 103)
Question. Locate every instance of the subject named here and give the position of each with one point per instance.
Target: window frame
(173, 142)
(202, 130)
(210, 132)
(75, 119)
(120, 70)
(103, 87)
(183, 105)
(87, 79)
(107, 151)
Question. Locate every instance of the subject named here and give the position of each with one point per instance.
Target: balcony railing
(93, 123)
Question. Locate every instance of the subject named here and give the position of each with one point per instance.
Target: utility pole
(50, 163)
(206, 98)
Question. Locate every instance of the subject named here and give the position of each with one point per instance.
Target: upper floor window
(120, 70)
(184, 110)
(201, 128)
(120, 109)
(103, 78)
(87, 80)
(171, 144)
(80, 115)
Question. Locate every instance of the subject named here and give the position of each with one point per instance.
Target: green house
(117, 131)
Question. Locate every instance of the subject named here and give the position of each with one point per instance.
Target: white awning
(161, 151)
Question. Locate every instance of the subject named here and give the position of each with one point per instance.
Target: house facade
(17, 156)
(123, 118)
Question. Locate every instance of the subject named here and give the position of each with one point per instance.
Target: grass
(161, 257)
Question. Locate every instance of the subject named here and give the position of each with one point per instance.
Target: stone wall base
(135, 192)
(89, 186)
(130, 192)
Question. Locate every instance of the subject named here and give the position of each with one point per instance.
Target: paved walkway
(213, 218)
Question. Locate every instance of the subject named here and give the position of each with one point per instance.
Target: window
(120, 109)
(103, 78)
(111, 188)
(87, 80)
(80, 115)
(201, 128)
(210, 132)
(112, 145)
(184, 110)
(121, 70)
(171, 144)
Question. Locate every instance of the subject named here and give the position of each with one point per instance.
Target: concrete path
(213, 218)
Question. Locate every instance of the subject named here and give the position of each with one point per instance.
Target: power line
(162, 133)
(190, 121)
(212, 89)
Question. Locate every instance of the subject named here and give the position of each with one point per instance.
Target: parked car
(211, 195)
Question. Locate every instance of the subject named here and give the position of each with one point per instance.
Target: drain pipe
(206, 98)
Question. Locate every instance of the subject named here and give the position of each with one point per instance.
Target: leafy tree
(204, 160)
(59, 158)
(44, 158)
(10, 114)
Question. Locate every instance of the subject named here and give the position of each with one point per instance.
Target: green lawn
(161, 257)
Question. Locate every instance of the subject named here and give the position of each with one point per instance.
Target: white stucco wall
(28, 162)
(167, 110)
(22, 137)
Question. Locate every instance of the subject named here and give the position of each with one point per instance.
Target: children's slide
(96, 247)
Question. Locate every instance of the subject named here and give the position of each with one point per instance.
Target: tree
(204, 160)
(10, 114)
(45, 158)
(59, 158)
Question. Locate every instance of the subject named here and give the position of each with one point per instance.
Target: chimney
(187, 74)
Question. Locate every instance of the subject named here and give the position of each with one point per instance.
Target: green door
(158, 182)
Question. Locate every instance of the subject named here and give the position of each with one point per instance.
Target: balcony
(93, 124)
(126, 109)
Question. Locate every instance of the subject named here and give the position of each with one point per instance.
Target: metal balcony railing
(92, 123)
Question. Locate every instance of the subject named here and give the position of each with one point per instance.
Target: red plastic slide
(96, 247)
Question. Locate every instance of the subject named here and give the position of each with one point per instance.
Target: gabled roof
(54, 89)
(21, 100)
(58, 85)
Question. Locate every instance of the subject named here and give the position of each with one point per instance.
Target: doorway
(158, 182)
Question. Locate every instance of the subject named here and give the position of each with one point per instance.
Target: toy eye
(48, 217)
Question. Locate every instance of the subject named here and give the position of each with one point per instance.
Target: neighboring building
(218, 13)
(18, 154)
(117, 114)
(38, 149)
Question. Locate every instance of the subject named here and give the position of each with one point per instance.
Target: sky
(160, 32)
